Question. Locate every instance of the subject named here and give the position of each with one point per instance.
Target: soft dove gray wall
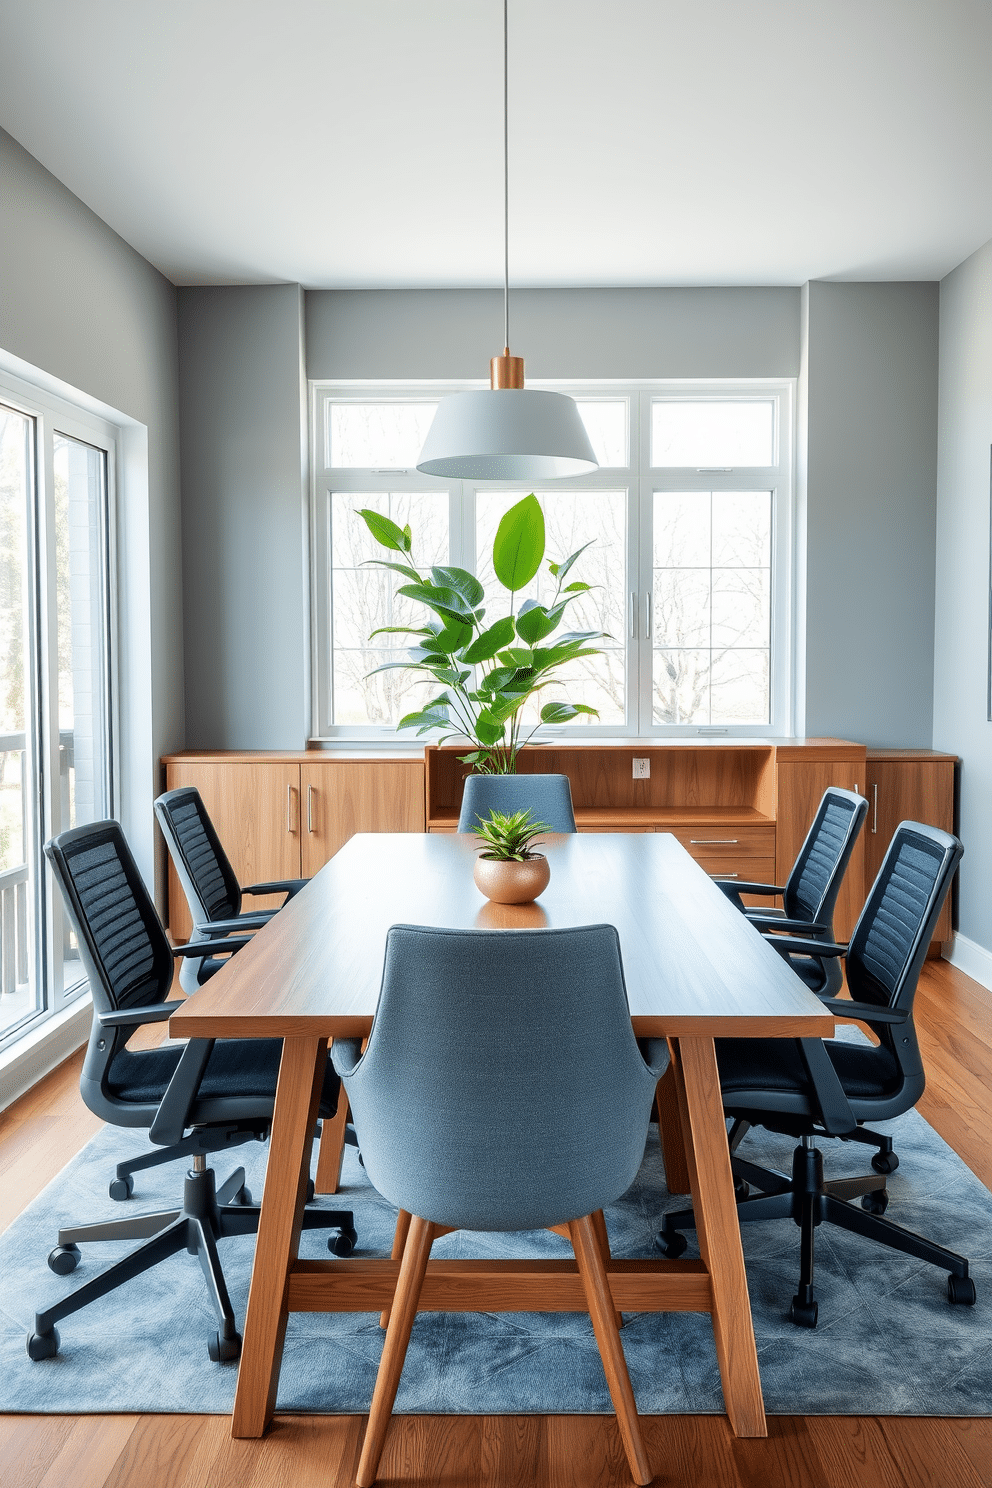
(84, 309)
(961, 648)
(243, 409)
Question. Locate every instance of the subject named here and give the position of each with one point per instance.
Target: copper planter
(512, 883)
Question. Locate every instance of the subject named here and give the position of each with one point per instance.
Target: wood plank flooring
(39, 1133)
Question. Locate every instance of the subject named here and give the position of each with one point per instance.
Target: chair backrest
(209, 882)
(810, 891)
(502, 1087)
(548, 797)
(890, 940)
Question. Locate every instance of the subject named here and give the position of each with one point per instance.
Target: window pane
(364, 599)
(20, 995)
(713, 434)
(712, 607)
(365, 436)
(572, 519)
(606, 424)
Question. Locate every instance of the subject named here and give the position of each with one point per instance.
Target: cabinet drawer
(754, 870)
(742, 843)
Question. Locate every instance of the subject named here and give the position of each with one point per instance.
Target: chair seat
(749, 1066)
(243, 1068)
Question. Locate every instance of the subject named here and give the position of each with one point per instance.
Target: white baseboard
(35, 1056)
(971, 958)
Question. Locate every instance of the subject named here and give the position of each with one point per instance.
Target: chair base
(810, 1201)
(208, 1214)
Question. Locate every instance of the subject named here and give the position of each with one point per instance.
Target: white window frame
(638, 478)
(53, 415)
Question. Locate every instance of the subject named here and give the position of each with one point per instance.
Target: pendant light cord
(506, 187)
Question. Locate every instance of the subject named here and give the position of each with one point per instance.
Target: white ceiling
(352, 143)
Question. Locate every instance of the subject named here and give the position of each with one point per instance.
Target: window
(56, 749)
(690, 520)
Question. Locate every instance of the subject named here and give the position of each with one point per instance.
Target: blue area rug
(887, 1340)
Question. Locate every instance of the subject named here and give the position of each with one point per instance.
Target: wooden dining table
(695, 970)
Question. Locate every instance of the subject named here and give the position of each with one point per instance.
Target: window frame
(639, 479)
(52, 416)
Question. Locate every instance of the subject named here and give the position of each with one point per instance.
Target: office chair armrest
(287, 886)
(835, 1108)
(656, 1055)
(764, 921)
(801, 945)
(345, 1054)
(212, 947)
(864, 1012)
(739, 886)
(253, 920)
(172, 1116)
(131, 1017)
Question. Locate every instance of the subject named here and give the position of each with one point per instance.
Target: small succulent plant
(508, 839)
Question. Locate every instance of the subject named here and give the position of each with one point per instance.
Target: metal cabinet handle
(289, 809)
(724, 875)
(310, 808)
(874, 819)
(715, 842)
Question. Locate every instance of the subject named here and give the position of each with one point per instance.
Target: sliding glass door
(56, 739)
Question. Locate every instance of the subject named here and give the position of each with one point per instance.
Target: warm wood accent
(908, 785)
(255, 806)
(282, 815)
(47, 1125)
(330, 1154)
(694, 970)
(670, 1133)
(342, 797)
(802, 779)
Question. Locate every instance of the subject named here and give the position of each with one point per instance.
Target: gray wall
(870, 510)
(88, 312)
(961, 654)
(562, 333)
(243, 410)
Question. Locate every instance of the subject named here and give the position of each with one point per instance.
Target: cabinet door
(255, 808)
(800, 788)
(908, 790)
(342, 797)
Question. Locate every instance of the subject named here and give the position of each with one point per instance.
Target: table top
(693, 964)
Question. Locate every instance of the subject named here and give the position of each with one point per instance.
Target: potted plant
(508, 870)
(487, 668)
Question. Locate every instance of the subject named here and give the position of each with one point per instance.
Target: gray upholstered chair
(548, 797)
(481, 1039)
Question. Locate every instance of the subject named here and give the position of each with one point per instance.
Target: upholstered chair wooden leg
(399, 1241)
(600, 1303)
(599, 1224)
(416, 1253)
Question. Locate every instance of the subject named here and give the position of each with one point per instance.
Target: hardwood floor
(40, 1132)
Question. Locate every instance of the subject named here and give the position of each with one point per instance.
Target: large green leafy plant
(487, 669)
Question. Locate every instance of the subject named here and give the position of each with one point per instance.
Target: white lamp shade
(507, 434)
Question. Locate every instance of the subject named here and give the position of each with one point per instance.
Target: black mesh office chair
(809, 1088)
(809, 894)
(209, 882)
(219, 1092)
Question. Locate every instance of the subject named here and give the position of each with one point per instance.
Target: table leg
(670, 1134)
(330, 1153)
(301, 1075)
(712, 1184)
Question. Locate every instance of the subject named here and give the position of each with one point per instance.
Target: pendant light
(509, 432)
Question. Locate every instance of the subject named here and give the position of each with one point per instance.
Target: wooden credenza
(740, 807)
(284, 815)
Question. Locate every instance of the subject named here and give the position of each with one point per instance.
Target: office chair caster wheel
(741, 1189)
(885, 1162)
(311, 1190)
(224, 1350)
(961, 1289)
(342, 1243)
(63, 1259)
(243, 1196)
(875, 1203)
(671, 1243)
(804, 1314)
(122, 1188)
(43, 1345)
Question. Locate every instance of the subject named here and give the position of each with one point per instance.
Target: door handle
(289, 810)
(310, 808)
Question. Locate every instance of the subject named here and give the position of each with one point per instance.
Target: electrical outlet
(642, 769)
